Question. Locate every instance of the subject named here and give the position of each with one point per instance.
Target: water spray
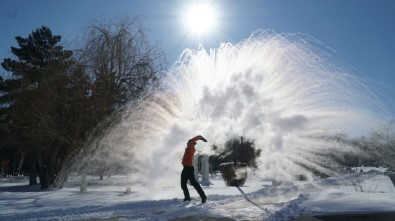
(281, 90)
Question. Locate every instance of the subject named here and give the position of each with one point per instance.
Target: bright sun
(200, 19)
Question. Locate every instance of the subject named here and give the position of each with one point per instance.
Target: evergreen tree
(33, 99)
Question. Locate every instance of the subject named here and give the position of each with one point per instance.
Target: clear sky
(361, 32)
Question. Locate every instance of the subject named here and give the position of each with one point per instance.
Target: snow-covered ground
(258, 199)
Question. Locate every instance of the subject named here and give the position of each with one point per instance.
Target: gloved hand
(203, 139)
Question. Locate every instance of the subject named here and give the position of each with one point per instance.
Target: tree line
(341, 152)
(52, 98)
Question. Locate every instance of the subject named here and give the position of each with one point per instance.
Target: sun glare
(200, 19)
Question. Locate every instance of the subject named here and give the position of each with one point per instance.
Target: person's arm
(199, 137)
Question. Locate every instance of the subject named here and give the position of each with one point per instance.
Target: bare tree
(120, 60)
(123, 67)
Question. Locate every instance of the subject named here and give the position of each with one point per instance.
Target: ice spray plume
(280, 90)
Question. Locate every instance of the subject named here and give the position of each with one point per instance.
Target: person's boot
(204, 198)
(187, 198)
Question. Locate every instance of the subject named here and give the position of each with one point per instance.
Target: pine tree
(32, 98)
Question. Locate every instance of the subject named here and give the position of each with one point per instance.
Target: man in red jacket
(188, 171)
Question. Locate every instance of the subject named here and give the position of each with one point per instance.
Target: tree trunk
(44, 181)
(14, 167)
(21, 163)
(33, 170)
(43, 172)
(61, 177)
(53, 168)
(64, 169)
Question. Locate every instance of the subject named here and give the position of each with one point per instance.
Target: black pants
(188, 174)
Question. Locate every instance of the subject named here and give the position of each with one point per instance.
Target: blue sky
(361, 32)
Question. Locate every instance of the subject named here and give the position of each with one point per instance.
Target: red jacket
(187, 160)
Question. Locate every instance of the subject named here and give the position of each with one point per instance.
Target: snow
(258, 199)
